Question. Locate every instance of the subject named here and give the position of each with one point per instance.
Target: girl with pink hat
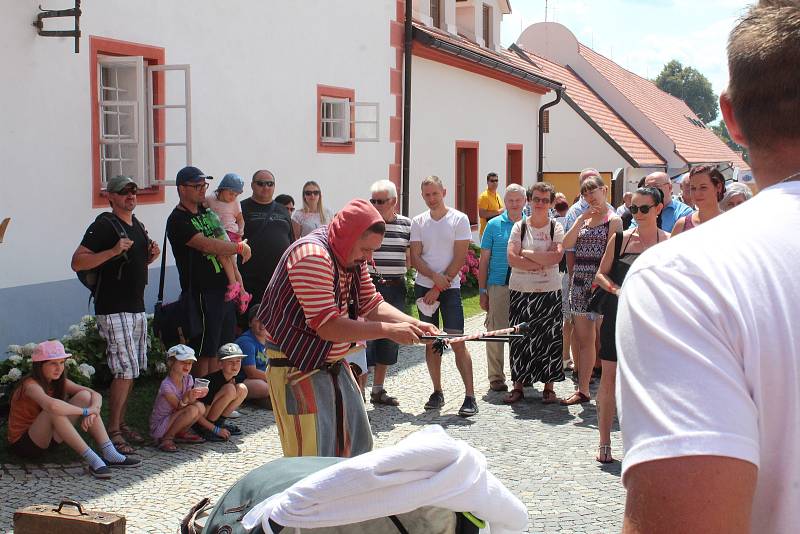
(45, 408)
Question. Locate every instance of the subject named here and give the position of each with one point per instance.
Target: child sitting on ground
(224, 204)
(45, 407)
(177, 406)
(224, 396)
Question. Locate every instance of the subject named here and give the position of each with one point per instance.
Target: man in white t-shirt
(707, 330)
(439, 241)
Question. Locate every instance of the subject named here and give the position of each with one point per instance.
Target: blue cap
(231, 181)
(189, 175)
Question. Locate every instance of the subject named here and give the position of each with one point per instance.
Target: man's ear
(730, 120)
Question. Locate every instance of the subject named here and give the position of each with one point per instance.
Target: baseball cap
(230, 351)
(181, 353)
(49, 350)
(118, 183)
(190, 175)
(231, 181)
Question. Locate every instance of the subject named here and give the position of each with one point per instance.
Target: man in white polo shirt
(707, 330)
(439, 241)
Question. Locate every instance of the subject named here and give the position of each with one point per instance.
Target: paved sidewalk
(544, 455)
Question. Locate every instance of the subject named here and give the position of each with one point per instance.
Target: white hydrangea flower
(71, 363)
(14, 349)
(86, 370)
(5, 379)
(14, 374)
(161, 367)
(86, 319)
(28, 349)
(149, 316)
(15, 359)
(74, 331)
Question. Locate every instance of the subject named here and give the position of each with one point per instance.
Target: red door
(466, 175)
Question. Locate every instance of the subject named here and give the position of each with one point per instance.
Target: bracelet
(86, 412)
(481, 290)
(240, 247)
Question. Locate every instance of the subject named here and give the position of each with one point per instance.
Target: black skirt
(537, 356)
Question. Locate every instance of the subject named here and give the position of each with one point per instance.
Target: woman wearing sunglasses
(645, 207)
(708, 188)
(312, 215)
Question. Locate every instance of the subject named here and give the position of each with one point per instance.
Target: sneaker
(102, 473)
(234, 415)
(129, 461)
(435, 401)
(208, 435)
(469, 408)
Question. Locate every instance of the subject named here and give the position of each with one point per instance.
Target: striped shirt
(311, 285)
(390, 259)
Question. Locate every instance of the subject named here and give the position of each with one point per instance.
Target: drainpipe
(540, 174)
(404, 184)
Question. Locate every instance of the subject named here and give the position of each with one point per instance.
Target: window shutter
(365, 118)
(169, 123)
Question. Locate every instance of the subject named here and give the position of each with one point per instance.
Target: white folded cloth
(427, 309)
(428, 468)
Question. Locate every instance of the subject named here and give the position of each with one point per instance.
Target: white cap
(181, 353)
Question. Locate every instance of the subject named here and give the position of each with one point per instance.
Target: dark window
(436, 13)
(487, 26)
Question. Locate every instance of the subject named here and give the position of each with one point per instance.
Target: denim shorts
(384, 351)
(450, 306)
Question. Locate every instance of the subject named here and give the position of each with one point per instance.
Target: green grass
(140, 405)
(144, 393)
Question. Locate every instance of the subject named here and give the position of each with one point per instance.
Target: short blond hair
(432, 180)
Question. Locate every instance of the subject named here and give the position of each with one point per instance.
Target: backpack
(273, 477)
(91, 278)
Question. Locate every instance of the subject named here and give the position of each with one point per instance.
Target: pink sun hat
(49, 350)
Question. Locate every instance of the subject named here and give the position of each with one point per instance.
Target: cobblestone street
(544, 455)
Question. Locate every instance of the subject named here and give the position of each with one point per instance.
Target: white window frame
(348, 123)
(153, 108)
(142, 107)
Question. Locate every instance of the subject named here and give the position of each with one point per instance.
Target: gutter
(429, 40)
(405, 173)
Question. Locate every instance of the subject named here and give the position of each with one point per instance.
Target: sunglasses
(264, 183)
(130, 191)
(198, 187)
(536, 200)
(379, 202)
(644, 209)
(311, 193)
(494, 180)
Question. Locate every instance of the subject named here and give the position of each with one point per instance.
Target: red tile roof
(695, 144)
(586, 99)
(600, 112)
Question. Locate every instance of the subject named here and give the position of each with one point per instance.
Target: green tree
(722, 132)
(688, 84)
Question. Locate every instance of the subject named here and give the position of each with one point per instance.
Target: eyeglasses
(379, 202)
(644, 209)
(198, 187)
(536, 200)
(311, 193)
(494, 180)
(264, 183)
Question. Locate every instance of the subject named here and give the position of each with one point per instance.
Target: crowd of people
(702, 325)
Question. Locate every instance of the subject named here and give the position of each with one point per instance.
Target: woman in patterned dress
(535, 293)
(589, 237)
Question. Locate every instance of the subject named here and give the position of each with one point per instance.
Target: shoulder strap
(524, 227)
(617, 244)
(114, 222)
(552, 229)
(160, 297)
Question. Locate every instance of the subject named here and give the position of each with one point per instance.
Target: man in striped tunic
(310, 309)
(388, 273)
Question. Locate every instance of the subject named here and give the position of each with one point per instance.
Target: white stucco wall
(450, 104)
(254, 82)
(573, 144)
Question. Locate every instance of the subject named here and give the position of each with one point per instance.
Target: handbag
(178, 321)
(600, 298)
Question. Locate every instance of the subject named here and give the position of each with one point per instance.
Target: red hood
(349, 225)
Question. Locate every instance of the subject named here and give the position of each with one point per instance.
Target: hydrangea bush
(88, 364)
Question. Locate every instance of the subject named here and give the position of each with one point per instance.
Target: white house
(244, 91)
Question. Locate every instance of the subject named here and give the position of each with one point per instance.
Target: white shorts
(126, 335)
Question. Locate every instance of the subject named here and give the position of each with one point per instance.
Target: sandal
(232, 291)
(188, 436)
(131, 436)
(167, 445)
(549, 396)
(122, 446)
(383, 398)
(244, 301)
(576, 398)
(516, 395)
(604, 454)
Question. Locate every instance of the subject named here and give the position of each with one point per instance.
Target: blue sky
(642, 35)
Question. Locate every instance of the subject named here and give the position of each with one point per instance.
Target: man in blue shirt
(493, 274)
(254, 365)
(674, 209)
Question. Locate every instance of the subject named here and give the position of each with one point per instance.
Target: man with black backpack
(112, 262)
